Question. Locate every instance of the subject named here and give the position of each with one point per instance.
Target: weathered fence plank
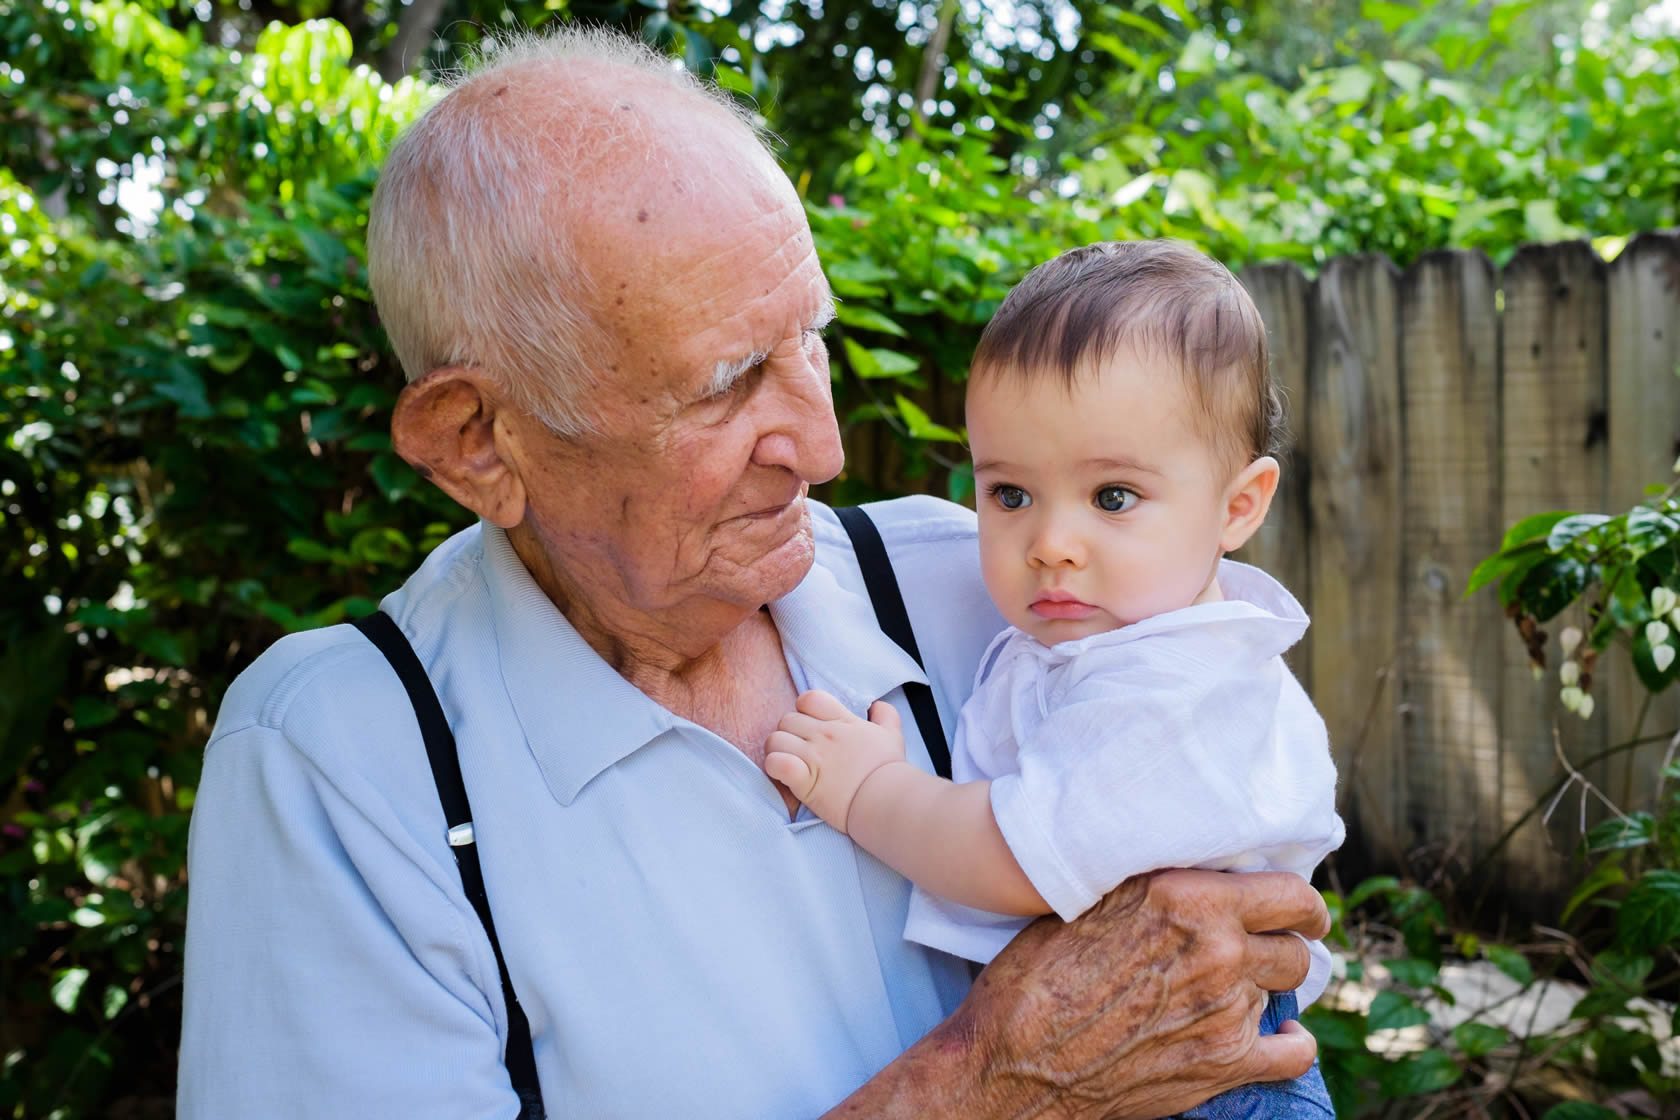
(1282, 292)
(1644, 352)
(1450, 665)
(1555, 456)
(1353, 400)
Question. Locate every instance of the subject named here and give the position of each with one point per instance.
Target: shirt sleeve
(330, 969)
(1168, 763)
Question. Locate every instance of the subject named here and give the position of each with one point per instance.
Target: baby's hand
(823, 753)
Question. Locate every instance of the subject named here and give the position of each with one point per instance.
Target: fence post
(1353, 397)
(1552, 442)
(1281, 547)
(1644, 350)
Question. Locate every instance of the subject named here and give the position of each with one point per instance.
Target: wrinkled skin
(1143, 1007)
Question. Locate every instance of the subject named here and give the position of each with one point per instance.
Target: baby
(1137, 713)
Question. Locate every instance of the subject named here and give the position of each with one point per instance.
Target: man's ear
(447, 426)
(1247, 501)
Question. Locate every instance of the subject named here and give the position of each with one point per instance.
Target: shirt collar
(833, 635)
(581, 717)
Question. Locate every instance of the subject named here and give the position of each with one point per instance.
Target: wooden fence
(1431, 409)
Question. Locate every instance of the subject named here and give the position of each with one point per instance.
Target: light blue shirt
(679, 946)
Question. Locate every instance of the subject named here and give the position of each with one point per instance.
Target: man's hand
(823, 753)
(1145, 1006)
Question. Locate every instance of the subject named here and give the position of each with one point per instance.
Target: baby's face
(1099, 505)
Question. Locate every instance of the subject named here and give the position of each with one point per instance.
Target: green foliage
(1618, 573)
(1372, 1060)
(194, 464)
(194, 388)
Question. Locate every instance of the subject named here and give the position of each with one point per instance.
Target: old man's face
(716, 413)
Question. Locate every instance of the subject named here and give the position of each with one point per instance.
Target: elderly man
(606, 296)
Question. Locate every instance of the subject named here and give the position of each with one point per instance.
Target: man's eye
(1011, 497)
(1114, 499)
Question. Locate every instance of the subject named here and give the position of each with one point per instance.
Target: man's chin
(785, 566)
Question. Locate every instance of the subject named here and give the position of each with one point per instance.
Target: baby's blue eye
(1012, 497)
(1115, 499)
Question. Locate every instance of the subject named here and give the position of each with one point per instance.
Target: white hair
(466, 264)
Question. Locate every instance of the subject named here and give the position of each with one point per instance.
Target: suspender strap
(882, 585)
(452, 792)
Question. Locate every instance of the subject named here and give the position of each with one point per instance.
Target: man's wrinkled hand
(1150, 1002)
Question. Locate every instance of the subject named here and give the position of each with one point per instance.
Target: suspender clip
(461, 835)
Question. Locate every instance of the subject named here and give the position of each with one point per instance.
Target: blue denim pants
(1304, 1098)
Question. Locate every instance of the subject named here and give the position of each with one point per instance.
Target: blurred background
(194, 397)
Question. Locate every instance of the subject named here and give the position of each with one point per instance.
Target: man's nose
(1055, 543)
(800, 431)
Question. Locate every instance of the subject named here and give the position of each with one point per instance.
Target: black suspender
(882, 585)
(452, 792)
(384, 633)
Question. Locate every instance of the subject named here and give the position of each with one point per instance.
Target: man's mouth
(768, 512)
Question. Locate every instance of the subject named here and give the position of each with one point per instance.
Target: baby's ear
(1247, 501)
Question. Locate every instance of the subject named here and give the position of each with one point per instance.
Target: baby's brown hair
(1160, 299)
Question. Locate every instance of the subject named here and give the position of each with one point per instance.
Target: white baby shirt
(1179, 741)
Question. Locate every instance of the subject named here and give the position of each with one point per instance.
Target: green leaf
(893, 364)
(1650, 915)
(1623, 969)
(309, 551)
(732, 79)
(861, 359)
(1534, 527)
(1580, 1110)
(1476, 1039)
(67, 988)
(1392, 16)
(1425, 1072)
(1351, 86)
(1508, 562)
(88, 713)
(1572, 528)
(1335, 1030)
(115, 999)
(1504, 13)
(1407, 75)
(1551, 585)
(921, 426)
(1649, 529)
(394, 477)
(1510, 962)
(1604, 876)
(1540, 216)
(1392, 1010)
(1377, 884)
(960, 486)
(1412, 973)
(1473, 215)
(867, 319)
(162, 646)
(1645, 665)
(1635, 830)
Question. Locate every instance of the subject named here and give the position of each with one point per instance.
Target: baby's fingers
(821, 705)
(791, 770)
(885, 715)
